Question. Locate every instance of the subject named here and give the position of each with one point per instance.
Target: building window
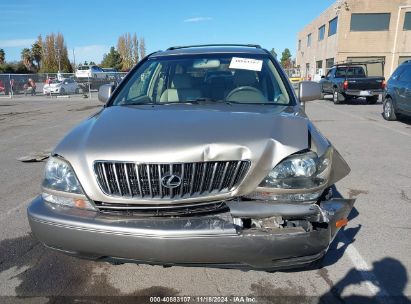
(299, 45)
(373, 69)
(370, 22)
(319, 67)
(307, 70)
(321, 33)
(332, 27)
(403, 59)
(309, 40)
(407, 21)
(329, 63)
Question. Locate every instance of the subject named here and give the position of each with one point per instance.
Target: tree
(26, 58)
(85, 62)
(92, 63)
(62, 54)
(131, 50)
(273, 52)
(2, 56)
(55, 55)
(124, 47)
(142, 48)
(135, 49)
(286, 59)
(37, 51)
(112, 59)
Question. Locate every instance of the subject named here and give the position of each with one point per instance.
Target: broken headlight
(62, 187)
(299, 177)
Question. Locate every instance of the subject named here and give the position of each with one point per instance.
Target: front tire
(389, 110)
(62, 91)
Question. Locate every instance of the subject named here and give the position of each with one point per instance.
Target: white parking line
(362, 118)
(368, 276)
(14, 209)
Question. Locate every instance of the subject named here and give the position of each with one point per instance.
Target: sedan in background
(397, 99)
(90, 71)
(66, 86)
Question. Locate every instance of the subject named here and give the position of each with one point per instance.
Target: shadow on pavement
(388, 276)
(31, 270)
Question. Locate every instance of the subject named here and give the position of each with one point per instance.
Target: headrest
(181, 81)
(244, 78)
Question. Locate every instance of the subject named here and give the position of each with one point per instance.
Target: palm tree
(36, 51)
(27, 58)
(2, 56)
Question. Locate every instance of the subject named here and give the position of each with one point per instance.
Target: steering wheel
(245, 93)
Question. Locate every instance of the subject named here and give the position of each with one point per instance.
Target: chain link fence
(55, 84)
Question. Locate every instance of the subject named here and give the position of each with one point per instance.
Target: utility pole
(74, 59)
(58, 54)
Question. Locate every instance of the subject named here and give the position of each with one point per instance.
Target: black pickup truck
(351, 80)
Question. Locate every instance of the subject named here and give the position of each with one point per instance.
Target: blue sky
(91, 27)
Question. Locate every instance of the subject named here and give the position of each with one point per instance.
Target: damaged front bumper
(231, 239)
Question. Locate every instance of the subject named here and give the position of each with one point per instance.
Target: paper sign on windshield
(246, 64)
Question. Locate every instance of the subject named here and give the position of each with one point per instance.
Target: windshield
(227, 78)
(83, 68)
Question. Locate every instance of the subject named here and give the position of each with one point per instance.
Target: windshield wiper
(138, 103)
(205, 100)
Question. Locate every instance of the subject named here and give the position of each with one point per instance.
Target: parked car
(295, 77)
(90, 71)
(2, 87)
(397, 99)
(350, 80)
(176, 170)
(65, 86)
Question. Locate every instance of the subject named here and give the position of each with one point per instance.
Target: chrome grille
(133, 180)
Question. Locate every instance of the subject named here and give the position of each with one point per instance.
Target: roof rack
(349, 62)
(211, 45)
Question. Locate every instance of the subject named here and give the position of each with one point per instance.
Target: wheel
(372, 99)
(337, 97)
(62, 91)
(389, 110)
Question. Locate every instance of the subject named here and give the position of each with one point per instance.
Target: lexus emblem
(171, 181)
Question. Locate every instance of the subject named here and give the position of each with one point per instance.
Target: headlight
(300, 171)
(61, 186)
(299, 177)
(60, 176)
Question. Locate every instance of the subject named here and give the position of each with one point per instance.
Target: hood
(186, 133)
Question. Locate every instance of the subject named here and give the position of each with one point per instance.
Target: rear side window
(397, 72)
(406, 75)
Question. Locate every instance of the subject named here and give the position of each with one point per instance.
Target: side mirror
(323, 77)
(104, 92)
(309, 90)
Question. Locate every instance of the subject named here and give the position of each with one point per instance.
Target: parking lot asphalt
(369, 261)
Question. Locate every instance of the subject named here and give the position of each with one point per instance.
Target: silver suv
(201, 156)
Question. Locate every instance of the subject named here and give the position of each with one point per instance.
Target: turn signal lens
(341, 223)
(383, 84)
